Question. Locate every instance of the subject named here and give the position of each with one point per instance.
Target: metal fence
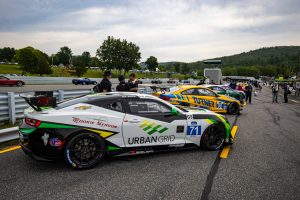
(12, 105)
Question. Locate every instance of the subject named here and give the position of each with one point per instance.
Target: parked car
(228, 91)
(199, 96)
(84, 81)
(156, 81)
(84, 130)
(6, 81)
(171, 81)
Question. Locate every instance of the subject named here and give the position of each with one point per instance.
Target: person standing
(286, 92)
(248, 92)
(105, 84)
(133, 83)
(122, 85)
(275, 89)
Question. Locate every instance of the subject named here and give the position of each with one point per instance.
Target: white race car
(84, 130)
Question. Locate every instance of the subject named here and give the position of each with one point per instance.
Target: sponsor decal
(150, 127)
(221, 105)
(193, 123)
(82, 107)
(203, 102)
(45, 138)
(69, 159)
(152, 139)
(190, 117)
(55, 142)
(93, 122)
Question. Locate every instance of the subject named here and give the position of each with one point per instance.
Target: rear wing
(40, 100)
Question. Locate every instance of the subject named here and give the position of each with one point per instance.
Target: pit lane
(264, 163)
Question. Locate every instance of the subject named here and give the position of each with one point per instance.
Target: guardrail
(12, 105)
(9, 134)
(37, 80)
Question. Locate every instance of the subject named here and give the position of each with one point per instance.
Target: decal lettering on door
(194, 129)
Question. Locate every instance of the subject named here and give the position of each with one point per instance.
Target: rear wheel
(213, 137)
(84, 151)
(19, 84)
(233, 109)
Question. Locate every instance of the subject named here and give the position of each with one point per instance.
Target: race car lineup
(86, 129)
(202, 97)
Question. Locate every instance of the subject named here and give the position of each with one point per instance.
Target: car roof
(190, 86)
(118, 95)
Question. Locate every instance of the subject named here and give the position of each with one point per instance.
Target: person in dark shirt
(122, 85)
(105, 84)
(133, 83)
(248, 92)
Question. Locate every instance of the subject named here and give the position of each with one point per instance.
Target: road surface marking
(10, 149)
(226, 149)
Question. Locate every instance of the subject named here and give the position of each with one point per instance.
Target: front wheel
(84, 151)
(213, 137)
(233, 109)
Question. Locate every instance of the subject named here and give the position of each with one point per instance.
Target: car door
(4, 80)
(150, 122)
(204, 98)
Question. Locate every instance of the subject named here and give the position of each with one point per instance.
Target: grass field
(60, 72)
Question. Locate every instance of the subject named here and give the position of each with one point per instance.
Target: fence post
(60, 95)
(11, 107)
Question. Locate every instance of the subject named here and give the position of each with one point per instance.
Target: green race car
(228, 91)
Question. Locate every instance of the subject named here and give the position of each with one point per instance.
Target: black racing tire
(84, 151)
(233, 109)
(213, 138)
(19, 84)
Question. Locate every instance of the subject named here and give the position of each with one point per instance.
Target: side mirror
(174, 112)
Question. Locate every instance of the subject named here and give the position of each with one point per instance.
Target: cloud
(180, 30)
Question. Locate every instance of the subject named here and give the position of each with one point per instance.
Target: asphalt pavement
(263, 163)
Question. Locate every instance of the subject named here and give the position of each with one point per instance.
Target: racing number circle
(84, 150)
(213, 137)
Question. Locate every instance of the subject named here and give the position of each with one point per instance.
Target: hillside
(284, 60)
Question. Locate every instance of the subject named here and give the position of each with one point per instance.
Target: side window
(147, 107)
(218, 89)
(111, 105)
(205, 92)
(115, 105)
(190, 92)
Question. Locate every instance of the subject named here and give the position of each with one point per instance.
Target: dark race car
(84, 81)
(6, 81)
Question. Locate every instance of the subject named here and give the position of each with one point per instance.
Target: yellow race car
(198, 96)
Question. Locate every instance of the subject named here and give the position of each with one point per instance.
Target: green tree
(7, 54)
(118, 54)
(79, 65)
(33, 61)
(94, 62)
(64, 55)
(151, 63)
(86, 58)
(177, 67)
(185, 69)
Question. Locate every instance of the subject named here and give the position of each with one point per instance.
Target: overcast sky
(171, 30)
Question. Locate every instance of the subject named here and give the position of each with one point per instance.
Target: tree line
(113, 53)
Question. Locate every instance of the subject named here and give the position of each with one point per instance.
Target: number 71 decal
(194, 130)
